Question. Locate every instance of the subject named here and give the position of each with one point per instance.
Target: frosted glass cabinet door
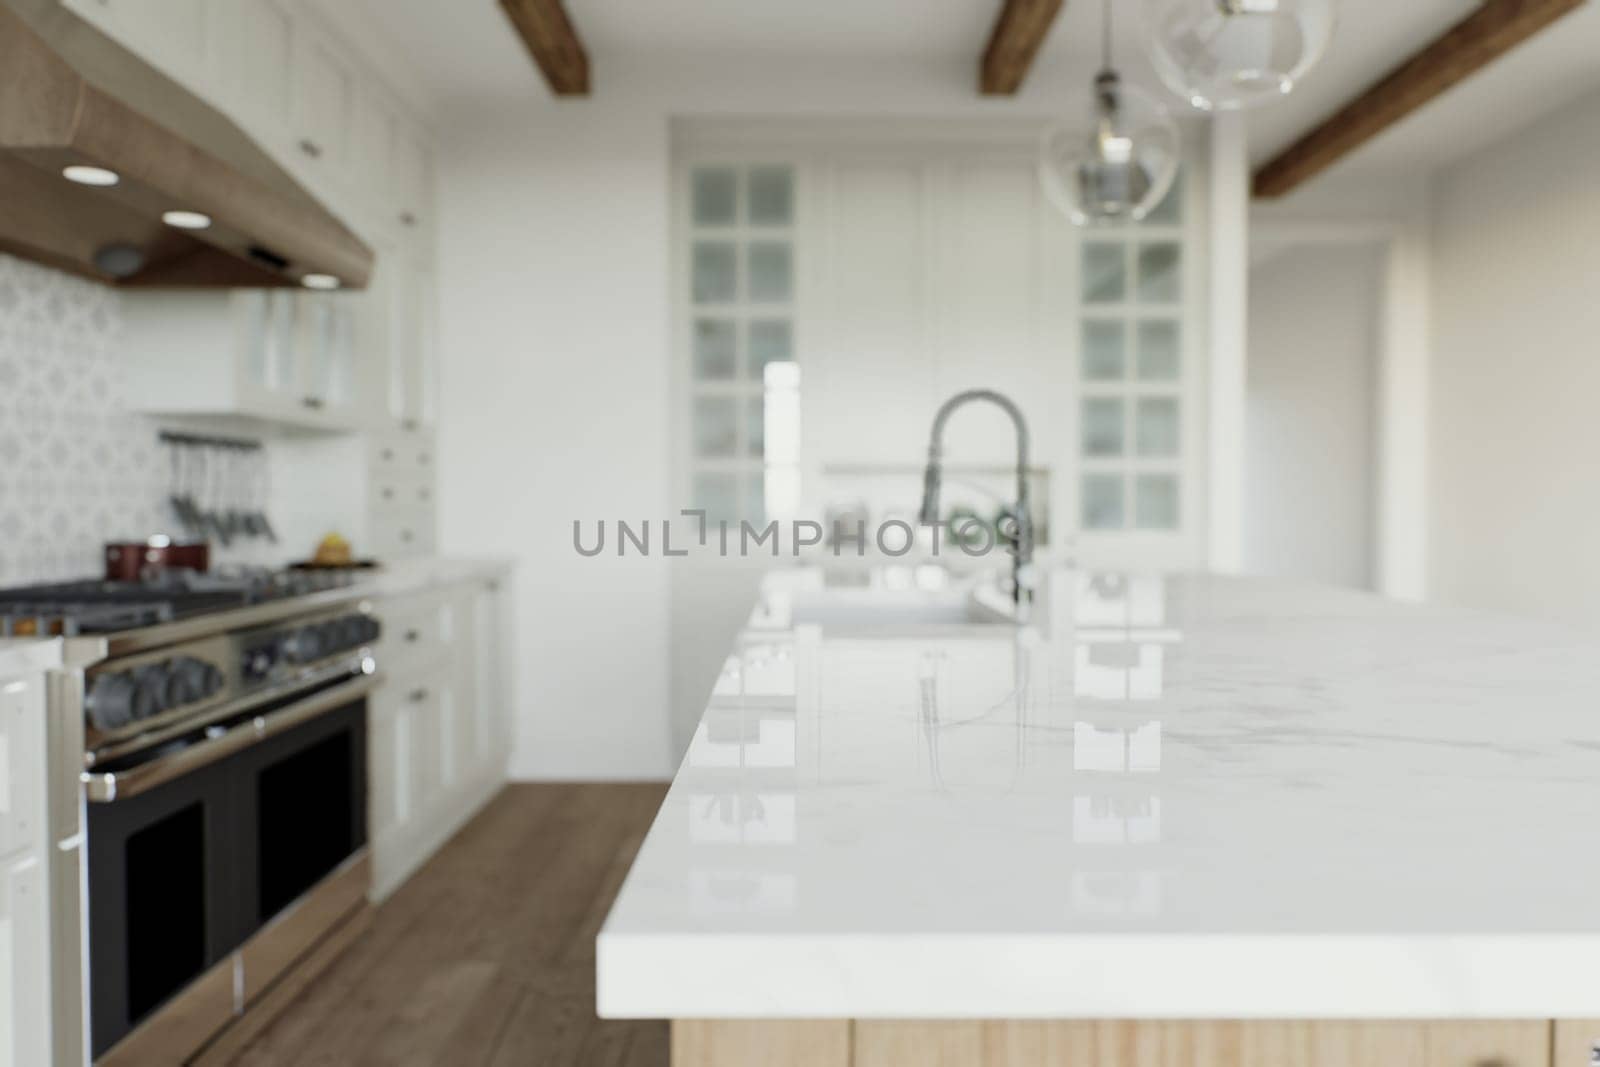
(269, 375)
(327, 340)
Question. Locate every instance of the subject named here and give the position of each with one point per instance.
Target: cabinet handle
(313, 402)
(310, 148)
(407, 218)
(388, 494)
(412, 635)
(408, 424)
(387, 454)
(405, 535)
(419, 695)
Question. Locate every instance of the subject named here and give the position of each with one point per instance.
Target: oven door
(194, 847)
(302, 804)
(161, 896)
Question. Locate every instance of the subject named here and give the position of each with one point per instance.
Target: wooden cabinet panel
(1577, 1043)
(1490, 1044)
(1091, 1043)
(1116, 1044)
(927, 1044)
(745, 1043)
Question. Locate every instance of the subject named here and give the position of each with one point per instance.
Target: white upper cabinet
(324, 88)
(327, 361)
(252, 38)
(371, 124)
(411, 165)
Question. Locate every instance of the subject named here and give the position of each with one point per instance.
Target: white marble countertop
(1169, 797)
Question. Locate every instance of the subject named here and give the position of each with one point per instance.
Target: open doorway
(1315, 335)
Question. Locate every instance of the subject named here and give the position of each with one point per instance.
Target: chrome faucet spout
(1022, 537)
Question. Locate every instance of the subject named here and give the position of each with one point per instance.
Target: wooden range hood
(70, 95)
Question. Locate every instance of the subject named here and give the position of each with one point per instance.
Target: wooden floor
(486, 956)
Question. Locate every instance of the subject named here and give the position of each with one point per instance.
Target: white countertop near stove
(404, 577)
(1190, 796)
(22, 656)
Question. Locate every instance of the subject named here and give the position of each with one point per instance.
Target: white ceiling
(465, 51)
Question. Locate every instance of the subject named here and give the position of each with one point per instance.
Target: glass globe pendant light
(1221, 55)
(1122, 166)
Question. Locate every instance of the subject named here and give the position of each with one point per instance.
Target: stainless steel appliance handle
(104, 787)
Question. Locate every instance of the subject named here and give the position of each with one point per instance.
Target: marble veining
(1178, 795)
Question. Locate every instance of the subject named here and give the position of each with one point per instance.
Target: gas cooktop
(92, 606)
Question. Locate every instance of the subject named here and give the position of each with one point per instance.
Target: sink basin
(874, 608)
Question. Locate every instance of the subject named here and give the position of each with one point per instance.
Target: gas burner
(96, 607)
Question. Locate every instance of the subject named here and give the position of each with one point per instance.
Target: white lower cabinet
(437, 725)
(35, 997)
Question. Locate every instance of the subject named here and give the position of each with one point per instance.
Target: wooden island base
(1029, 1043)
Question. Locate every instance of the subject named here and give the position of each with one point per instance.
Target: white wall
(1516, 252)
(554, 407)
(1314, 322)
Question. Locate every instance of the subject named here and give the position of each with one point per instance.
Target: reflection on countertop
(1152, 756)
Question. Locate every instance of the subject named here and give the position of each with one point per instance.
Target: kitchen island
(949, 839)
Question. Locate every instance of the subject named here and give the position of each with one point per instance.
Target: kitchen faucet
(1022, 536)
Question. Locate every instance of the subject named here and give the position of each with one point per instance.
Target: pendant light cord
(1105, 36)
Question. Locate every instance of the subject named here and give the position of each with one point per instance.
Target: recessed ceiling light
(319, 281)
(85, 175)
(186, 220)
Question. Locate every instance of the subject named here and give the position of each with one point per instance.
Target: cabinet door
(324, 88)
(269, 377)
(411, 347)
(424, 409)
(253, 45)
(1577, 1043)
(368, 165)
(489, 712)
(412, 169)
(429, 747)
(327, 350)
(24, 957)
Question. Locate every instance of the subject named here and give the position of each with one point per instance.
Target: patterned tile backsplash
(76, 468)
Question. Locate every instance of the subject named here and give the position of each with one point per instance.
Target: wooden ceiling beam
(545, 28)
(1015, 40)
(1468, 46)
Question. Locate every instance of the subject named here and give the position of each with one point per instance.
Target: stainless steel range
(216, 756)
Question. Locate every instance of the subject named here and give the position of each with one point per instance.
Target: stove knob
(257, 664)
(110, 701)
(303, 645)
(352, 631)
(190, 676)
(332, 637)
(152, 693)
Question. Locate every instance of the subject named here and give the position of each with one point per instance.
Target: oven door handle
(105, 787)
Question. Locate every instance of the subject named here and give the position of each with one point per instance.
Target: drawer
(413, 627)
(401, 494)
(406, 455)
(403, 534)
